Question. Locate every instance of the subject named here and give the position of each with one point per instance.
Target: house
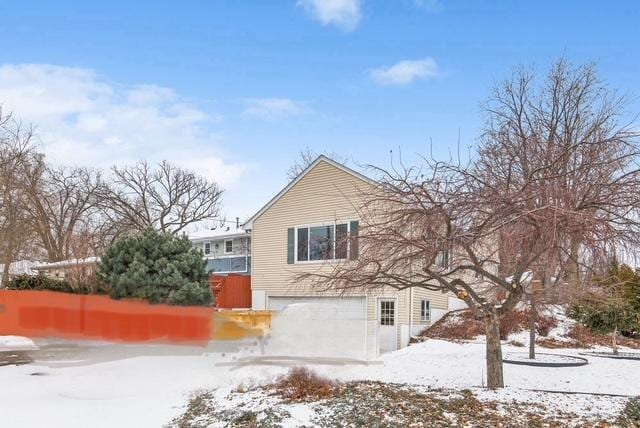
(299, 230)
(21, 267)
(71, 269)
(226, 250)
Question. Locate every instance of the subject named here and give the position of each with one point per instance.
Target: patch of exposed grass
(374, 404)
(200, 405)
(253, 409)
(630, 416)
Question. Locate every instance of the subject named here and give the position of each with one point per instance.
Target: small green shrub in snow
(39, 282)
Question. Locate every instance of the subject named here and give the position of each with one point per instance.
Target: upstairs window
(321, 243)
(303, 244)
(315, 243)
(228, 246)
(342, 241)
(207, 248)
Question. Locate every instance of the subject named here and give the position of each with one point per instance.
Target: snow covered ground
(16, 343)
(97, 384)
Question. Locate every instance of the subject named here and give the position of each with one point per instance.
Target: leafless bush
(301, 384)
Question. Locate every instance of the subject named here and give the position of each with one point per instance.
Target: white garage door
(319, 326)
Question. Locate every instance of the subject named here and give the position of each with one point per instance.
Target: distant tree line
(57, 212)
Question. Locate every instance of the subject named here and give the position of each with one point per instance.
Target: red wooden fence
(232, 291)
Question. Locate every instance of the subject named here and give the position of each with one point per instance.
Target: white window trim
(422, 318)
(204, 246)
(225, 246)
(395, 311)
(309, 226)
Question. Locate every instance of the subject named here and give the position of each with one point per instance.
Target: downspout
(246, 255)
(411, 336)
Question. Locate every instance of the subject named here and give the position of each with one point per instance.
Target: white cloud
(432, 6)
(273, 108)
(344, 14)
(84, 119)
(150, 94)
(406, 72)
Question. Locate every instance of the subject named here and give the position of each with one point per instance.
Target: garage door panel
(319, 326)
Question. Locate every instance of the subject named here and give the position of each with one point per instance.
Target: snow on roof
(218, 233)
(65, 263)
(20, 267)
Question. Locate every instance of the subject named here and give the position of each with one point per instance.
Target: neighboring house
(21, 267)
(227, 250)
(70, 269)
(299, 230)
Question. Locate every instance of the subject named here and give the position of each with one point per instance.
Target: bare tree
(306, 158)
(571, 128)
(566, 138)
(81, 270)
(16, 149)
(60, 202)
(482, 229)
(166, 198)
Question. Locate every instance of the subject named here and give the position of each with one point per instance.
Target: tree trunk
(5, 275)
(494, 351)
(614, 340)
(533, 315)
(574, 263)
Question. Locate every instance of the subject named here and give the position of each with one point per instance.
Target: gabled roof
(322, 158)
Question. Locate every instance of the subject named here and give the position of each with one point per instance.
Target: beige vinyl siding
(325, 194)
(438, 300)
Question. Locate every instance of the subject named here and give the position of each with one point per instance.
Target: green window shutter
(353, 230)
(291, 245)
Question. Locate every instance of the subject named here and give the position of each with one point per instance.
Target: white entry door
(387, 325)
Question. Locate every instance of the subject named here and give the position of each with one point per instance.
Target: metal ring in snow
(577, 361)
(620, 356)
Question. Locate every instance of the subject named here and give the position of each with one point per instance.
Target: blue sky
(235, 89)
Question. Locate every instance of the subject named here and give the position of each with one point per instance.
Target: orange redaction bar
(53, 314)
